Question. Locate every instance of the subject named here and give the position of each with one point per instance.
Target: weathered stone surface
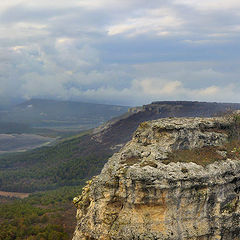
(137, 196)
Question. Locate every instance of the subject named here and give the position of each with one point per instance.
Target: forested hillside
(67, 163)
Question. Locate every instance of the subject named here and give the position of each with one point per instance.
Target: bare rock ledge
(138, 196)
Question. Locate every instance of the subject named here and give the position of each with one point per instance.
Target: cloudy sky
(127, 52)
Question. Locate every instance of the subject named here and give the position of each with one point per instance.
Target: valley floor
(22, 142)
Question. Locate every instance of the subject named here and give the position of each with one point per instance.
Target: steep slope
(112, 135)
(144, 193)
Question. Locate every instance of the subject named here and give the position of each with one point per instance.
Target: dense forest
(45, 215)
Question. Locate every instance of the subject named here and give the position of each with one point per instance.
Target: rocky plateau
(143, 194)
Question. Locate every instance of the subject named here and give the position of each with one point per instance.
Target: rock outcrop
(140, 196)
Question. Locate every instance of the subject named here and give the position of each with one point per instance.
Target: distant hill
(50, 113)
(73, 161)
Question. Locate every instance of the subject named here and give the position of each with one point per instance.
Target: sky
(128, 52)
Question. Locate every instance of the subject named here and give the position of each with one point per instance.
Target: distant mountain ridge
(51, 113)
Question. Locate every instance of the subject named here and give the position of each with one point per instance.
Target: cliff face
(143, 193)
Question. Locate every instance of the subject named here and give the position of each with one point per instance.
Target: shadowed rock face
(137, 196)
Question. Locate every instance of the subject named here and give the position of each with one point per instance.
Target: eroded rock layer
(139, 196)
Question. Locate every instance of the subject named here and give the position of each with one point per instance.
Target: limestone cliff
(146, 192)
